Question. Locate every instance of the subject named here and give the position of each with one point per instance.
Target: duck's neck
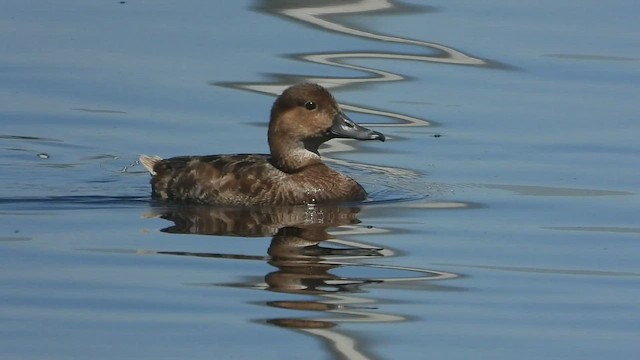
(292, 156)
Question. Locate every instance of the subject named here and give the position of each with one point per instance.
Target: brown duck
(302, 118)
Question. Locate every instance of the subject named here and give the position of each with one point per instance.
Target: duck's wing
(216, 165)
(219, 179)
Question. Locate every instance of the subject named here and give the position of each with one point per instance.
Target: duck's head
(302, 118)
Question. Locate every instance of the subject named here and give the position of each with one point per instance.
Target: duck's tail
(149, 162)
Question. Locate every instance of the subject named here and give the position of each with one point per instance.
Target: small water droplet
(43, 156)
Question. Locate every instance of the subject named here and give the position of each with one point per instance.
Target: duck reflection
(255, 222)
(305, 264)
(296, 235)
(296, 231)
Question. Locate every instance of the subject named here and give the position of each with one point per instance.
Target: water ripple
(324, 17)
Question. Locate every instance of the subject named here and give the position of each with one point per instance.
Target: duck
(302, 118)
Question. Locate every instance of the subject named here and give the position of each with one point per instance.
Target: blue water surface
(502, 220)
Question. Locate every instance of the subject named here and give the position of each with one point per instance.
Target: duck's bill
(343, 127)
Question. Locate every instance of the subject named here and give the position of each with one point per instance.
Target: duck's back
(245, 180)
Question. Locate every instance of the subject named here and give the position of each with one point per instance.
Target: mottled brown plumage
(302, 118)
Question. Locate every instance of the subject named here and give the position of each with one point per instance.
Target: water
(502, 221)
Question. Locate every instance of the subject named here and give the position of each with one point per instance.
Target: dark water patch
(57, 165)
(27, 138)
(30, 141)
(593, 57)
(530, 190)
(14, 238)
(18, 204)
(535, 270)
(606, 229)
(99, 111)
(443, 205)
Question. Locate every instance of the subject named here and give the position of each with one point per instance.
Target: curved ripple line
(344, 345)
(312, 15)
(319, 16)
(429, 275)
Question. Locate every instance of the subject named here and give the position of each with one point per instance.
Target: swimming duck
(302, 118)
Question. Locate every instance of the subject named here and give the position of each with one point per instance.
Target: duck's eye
(310, 105)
